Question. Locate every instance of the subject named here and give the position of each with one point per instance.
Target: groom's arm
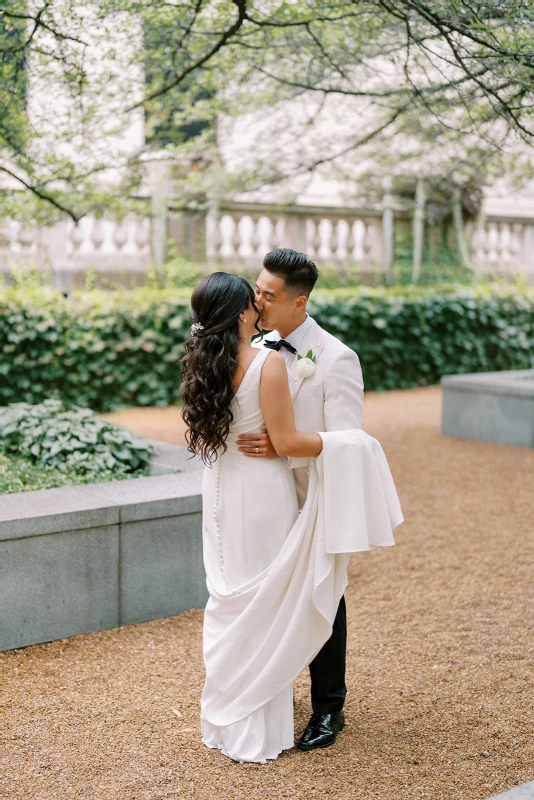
(343, 405)
(343, 393)
(343, 398)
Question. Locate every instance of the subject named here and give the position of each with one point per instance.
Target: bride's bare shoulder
(274, 367)
(274, 361)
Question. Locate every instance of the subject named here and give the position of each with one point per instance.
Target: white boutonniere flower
(306, 365)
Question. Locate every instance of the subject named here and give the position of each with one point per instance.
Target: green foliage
(57, 437)
(13, 81)
(76, 58)
(427, 114)
(99, 350)
(441, 262)
(448, 83)
(46, 445)
(22, 474)
(409, 337)
(178, 272)
(124, 349)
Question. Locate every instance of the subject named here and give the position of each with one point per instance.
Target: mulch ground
(441, 653)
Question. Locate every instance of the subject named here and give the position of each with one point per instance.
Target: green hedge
(407, 338)
(97, 350)
(106, 351)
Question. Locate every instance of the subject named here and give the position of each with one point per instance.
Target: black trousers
(327, 670)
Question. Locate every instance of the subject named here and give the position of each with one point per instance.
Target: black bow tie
(279, 344)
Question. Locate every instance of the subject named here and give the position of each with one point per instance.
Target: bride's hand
(256, 445)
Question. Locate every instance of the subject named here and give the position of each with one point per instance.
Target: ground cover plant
(23, 474)
(47, 445)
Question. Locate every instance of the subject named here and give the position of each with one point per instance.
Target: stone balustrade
(334, 235)
(502, 245)
(120, 240)
(241, 233)
(111, 247)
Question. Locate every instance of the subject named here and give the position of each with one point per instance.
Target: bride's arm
(277, 408)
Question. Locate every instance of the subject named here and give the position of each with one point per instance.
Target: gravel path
(441, 651)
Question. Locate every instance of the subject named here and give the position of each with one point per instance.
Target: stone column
(418, 229)
(160, 186)
(296, 232)
(388, 234)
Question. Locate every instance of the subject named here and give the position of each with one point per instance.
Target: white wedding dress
(276, 576)
(249, 507)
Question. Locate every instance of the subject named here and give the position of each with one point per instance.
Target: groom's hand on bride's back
(256, 445)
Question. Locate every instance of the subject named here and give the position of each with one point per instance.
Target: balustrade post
(76, 237)
(477, 245)
(159, 236)
(278, 232)
(528, 252)
(161, 186)
(213, 231)
(296, 232)
(97, 237)
(418, 229)
(458, 217)
(388, 234)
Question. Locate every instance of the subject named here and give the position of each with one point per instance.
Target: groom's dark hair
(298, 271)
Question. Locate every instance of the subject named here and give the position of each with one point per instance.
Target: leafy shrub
(107, 351)
(98, 350)
(411, 337)
(77, 439)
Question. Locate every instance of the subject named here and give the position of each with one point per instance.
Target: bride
(249, 507)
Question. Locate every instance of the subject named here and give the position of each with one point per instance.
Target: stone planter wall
(84, 558)
(490, 407)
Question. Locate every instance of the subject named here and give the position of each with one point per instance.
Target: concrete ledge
(490, 407)
(523, 792)
(172, 458)
(83, 558)
(510, 383)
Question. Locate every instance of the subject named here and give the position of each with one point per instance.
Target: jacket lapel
(312, 341)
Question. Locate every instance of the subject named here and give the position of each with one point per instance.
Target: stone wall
(84, 558)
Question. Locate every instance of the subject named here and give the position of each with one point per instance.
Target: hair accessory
(196, 327)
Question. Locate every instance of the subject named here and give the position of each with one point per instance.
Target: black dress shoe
(322, 731)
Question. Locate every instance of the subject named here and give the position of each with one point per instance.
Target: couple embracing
(292, 486)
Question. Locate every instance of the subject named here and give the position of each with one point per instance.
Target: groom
(330, 399)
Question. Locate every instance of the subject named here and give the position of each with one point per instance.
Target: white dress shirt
(295, 338)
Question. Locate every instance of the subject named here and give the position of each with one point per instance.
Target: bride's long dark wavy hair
(210, 361)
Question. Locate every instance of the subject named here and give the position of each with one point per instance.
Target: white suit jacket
(329, 400)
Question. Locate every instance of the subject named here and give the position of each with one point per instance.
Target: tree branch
(42, 195)
(241, 6)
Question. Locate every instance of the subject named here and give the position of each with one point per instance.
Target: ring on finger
(257, 449)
